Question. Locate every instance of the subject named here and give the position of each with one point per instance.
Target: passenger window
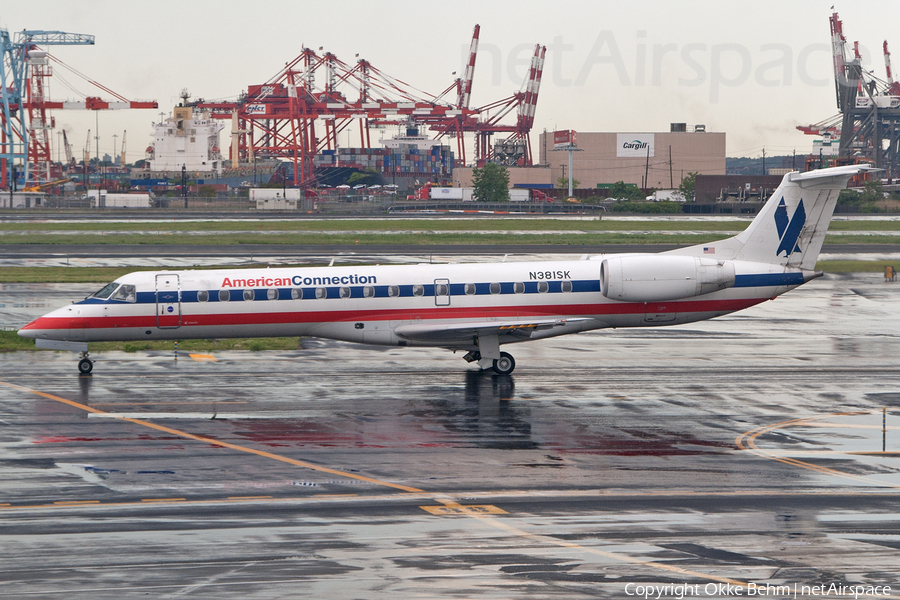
(202, 296)
(495, 288)
(345, 292)
(441, 289)
(519, 287)
(368, 292)
(272, 294)
(543, 287)
(224, 295)
(296, 294)
(248, 295)
(393, 291)
(418, 290)
(567, 286)
(321, 293)
(126, 293)
(470, 289)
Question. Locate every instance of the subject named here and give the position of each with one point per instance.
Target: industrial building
(23, 199)
(739, 188)
(538, 177)
(648, 160)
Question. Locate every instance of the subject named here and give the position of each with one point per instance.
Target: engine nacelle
(663, 277)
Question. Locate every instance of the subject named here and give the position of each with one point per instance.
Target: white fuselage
(381, 304)
(474, 307)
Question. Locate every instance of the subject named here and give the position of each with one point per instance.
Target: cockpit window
(106, 291)
(126, 292)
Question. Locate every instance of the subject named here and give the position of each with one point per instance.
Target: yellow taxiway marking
(466, 510)
(488, 519)
(215, 442)
(848, 426)
(456, 508)
(747, 441)
(203, 357)
(875, 453)
(485, 495)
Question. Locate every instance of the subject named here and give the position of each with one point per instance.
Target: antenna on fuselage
(331, 264)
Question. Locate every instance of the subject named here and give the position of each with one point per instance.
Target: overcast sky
(752, 69)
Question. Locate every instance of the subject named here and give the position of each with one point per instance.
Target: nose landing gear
(85, 365)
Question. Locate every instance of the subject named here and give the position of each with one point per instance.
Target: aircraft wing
(523, 329)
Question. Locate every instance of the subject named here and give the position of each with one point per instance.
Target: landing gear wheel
(505, 364)
(85, 365)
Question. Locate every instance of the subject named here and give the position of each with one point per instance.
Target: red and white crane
(893, 86)
(292, 117)
(465, 84)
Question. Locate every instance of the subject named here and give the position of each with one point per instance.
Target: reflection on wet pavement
(608, 458)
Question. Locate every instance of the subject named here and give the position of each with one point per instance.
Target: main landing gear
(85, 365)
(501, 366)
(505, 364)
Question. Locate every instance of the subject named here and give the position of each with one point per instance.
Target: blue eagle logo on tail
(789, 228)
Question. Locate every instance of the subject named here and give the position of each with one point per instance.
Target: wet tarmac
(187, 256)
(747, 449)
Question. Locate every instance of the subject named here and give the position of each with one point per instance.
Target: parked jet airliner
(475, 308)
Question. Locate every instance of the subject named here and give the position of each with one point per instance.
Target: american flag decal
(709, 250)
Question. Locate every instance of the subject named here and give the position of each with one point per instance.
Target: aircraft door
(168, 301)
(442, 292)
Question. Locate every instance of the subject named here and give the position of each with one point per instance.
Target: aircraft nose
(31, 330)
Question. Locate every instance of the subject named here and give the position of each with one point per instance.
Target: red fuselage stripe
(449, 312)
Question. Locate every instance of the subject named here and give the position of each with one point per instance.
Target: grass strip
(853, 266)
(384, 225)
(11, 342)
(421, 239)
(313, 225)
(324, 239)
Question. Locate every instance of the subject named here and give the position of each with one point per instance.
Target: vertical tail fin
(790, 229)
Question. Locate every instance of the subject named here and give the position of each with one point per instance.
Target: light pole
(565, 140)
(184, 184)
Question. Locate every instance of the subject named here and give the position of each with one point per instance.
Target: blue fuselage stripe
(456, 289)
(768, 280)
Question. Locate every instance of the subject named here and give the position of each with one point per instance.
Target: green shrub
(665, 207)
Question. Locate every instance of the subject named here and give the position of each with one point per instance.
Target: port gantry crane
(25, 121)
(868, 124)
(278, 118)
